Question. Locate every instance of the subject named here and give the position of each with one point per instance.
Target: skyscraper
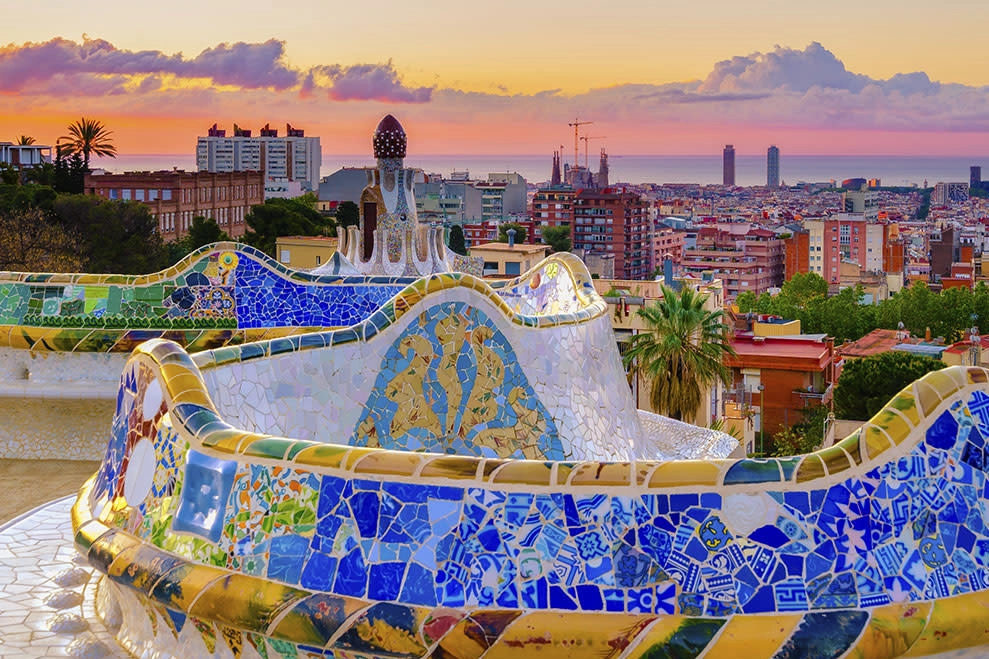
(729, 165)
(975, 176)
(773, 167)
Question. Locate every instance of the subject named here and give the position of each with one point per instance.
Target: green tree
(558, 238)
(804, 286)
(28, 196)
(747, 301)
(348, 214)
(800, 438)
(520, 233)
(866, 385)
(31, 242)
(680, 352)
(24, 140)
(113, 236)
(9, 175)
(204, 231)
(88, 137)
(281, 217)
(69, 172)
(457, 243)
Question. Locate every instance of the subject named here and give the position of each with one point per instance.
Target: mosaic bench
(64, 338)
(274, 500)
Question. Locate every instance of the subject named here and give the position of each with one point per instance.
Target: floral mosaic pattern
(451, 383)
(227, 286)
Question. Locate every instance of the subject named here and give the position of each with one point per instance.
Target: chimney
(511, 237)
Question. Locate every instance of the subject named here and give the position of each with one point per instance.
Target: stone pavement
(47, 590)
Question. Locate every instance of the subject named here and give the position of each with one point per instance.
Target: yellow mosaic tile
(850, 445)
(355, 454)
(323, 455)
(891, 631)
(226, 440)
(19, 338)
(389, 462)
(244, 601)
(468, 639)
(876, 441)
(530, 472)
(834, 459)
(977, 375)
(896, 426)
(556, 635)
(687, 472)
(927, 397)
(180, 587)
(954, 623)
(943, 382)
(810, 469)
(654, 639)
(644, 470)
(753, 636)
(297, 624)
(106, 547)
(604, 474)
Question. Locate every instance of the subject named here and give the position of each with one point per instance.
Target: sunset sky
(469, 77)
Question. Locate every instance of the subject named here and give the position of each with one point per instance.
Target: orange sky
(473, 78)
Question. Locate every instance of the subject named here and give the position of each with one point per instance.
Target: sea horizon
(703, 169)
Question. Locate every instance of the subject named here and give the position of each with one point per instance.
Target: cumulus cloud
(245, 65)
(43, 68)
(366, 82)
(784, 69)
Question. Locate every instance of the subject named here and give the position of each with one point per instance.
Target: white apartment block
(294, 158)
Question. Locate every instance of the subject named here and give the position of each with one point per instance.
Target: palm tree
(25, 140)
(88, 137)
(681, 351)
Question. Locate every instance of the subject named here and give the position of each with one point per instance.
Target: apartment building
(615, 223)
(751, 261)
(293, 157)
(176, 197)
(553, 207)
(874, 246)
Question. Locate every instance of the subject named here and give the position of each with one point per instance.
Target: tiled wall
(880, 542)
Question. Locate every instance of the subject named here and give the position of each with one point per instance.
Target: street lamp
(762, 419)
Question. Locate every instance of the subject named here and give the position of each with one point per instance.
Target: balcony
(814, 398)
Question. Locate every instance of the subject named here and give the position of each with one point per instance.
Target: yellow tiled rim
(891, 433)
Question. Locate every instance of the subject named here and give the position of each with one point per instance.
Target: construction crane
(576, 124)
(586, 139)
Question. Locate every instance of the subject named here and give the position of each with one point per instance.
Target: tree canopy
(88, 137)
(680, 352)
(558, 238)
(113, 236)
(866, 385)
(348, 214)
(457, 242)
(520, 233)
(948, 314)
(31, 242)
(282, 217)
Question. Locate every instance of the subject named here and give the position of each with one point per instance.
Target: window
(125, 194)
(166, 195)
(114, 193)
(153, 195)
(513, 267)
(319, 259)
(139, 195)
(285, 256)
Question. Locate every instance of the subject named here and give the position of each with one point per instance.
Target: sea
(702, 169)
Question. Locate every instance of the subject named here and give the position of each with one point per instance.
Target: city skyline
(160, 76)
